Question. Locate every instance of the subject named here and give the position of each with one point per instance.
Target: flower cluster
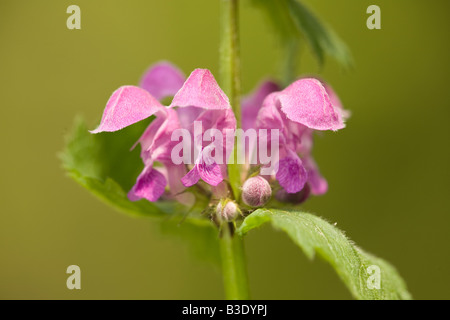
(295, 112)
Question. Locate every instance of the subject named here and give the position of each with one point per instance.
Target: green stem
(230, 77)
(233, 265)
(231, 246)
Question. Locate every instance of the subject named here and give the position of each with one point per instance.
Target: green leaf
(322, 39)
(314, 235)
(293, 22)
(106, 154)
(278, 15)
(103, 164)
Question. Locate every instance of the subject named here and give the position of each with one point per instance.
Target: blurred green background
(388, 170)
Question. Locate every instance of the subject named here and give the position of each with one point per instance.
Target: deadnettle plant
(294, 112)
(211, 172)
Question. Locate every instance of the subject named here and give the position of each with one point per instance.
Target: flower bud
(294, 198)
(227, 210)
(256, 191)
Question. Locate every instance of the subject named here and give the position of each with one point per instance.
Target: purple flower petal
(210, 173)
(307, 102)
(317, 183)
(269, 116)
(188, 115)
(149, 185)
(291, 174)
(201, 90)
(156, 141)
(252, 103)
(218, 119)
(127, 105)
(205, 168)
(162, 80)
(191, 177)
(294, 198)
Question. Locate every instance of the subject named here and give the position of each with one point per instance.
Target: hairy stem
(233, 265)
(231, 246)
(230, 77)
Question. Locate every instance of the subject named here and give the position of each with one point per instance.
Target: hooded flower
(199, 97)
(201, 101)
(304, 106)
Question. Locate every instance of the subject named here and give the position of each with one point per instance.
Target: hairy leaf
(356, 268)
(293, 22)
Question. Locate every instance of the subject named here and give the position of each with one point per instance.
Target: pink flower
(304, 106)
(201, 99)
(198, 98)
